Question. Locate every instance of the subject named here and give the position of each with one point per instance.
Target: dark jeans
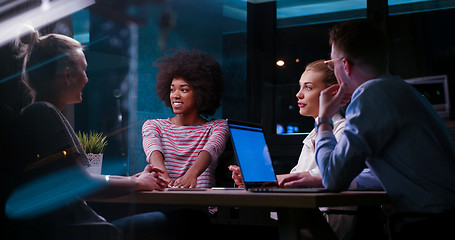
(168, 225)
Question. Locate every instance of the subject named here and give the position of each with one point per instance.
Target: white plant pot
(96, 162)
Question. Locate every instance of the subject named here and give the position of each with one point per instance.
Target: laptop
(253, 158)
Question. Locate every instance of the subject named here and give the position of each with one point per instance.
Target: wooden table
(296, 211)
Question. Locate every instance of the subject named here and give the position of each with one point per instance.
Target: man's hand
(331, 99)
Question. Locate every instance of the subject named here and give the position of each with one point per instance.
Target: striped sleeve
(217, 140)
(151, 138)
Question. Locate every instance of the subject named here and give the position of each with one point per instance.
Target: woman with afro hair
(187, 146)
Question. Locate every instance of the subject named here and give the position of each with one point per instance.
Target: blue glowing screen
(252, 153)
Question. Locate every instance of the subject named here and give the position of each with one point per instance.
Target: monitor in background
(436, 90)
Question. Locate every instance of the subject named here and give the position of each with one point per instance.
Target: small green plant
(92, 142)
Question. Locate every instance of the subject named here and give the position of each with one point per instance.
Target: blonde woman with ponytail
(54, 68)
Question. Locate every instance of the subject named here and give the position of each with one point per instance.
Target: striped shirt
(180, 146)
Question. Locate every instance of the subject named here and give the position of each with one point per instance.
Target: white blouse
(307, 161)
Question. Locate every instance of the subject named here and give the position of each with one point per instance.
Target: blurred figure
(167, 21)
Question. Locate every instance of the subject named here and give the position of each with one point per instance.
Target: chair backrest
(8, 140)
(452, 132)
(223, 176)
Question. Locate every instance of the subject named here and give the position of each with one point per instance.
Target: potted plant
(93, 144)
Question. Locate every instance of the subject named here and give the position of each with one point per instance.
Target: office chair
(421, 225)
(223, 176)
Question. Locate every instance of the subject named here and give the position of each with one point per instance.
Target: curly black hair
(201, 71)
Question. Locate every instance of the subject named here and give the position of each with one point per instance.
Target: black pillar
(261, 25)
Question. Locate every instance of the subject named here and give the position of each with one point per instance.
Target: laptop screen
(252, 154)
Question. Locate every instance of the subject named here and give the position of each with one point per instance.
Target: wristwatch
(320, 120)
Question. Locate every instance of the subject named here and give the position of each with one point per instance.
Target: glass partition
(124, 40)
(302, 37)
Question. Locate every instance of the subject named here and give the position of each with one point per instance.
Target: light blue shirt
(395, 131)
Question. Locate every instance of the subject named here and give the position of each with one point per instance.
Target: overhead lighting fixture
(46, 13)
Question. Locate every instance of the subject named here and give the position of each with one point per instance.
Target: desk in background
(296, 211)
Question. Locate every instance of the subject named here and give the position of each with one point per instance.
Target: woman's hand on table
(185, 181)
(237, 176)
(301, 180)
